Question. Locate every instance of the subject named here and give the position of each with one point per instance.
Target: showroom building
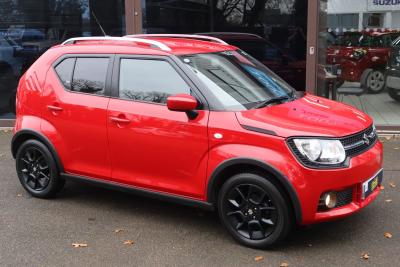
(301, 40)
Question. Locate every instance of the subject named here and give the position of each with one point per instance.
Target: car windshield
(239, 81)
(349, 39)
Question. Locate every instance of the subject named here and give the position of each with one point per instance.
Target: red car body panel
(81, 120)
(147, 146)
(308, 116)
(178, 167)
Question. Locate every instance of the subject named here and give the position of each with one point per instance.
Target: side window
(149, 80)
(90, 75)
(64, 71)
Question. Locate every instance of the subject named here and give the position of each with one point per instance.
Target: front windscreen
(237, 80)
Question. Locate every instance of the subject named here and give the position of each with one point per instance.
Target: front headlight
(321, 151)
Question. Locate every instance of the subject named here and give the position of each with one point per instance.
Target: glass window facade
(359, 55)
(28, 28)
(274, 31)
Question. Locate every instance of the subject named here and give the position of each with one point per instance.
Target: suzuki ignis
(193, 120)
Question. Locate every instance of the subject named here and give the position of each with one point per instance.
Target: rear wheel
(37, 170)
(254, 211)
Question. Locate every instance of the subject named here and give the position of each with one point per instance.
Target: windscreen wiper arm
(272, 101)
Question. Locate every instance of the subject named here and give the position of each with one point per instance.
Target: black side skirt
(139, 191)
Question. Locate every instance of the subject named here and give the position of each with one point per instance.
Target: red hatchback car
(196, 121)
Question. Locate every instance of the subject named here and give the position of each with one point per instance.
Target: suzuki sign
(383, 5)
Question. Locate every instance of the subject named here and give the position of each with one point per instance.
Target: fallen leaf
(284, 264)
(258, 258)
(388, 200)
(388, 235)
(396, 148)
(128, 242)
(91, 219)
(382, 187)
(79, 245)
(388, 137)
(19, 195)
(392, 184)
(118, 230)
(365, 256)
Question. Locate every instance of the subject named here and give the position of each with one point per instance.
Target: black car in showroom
(393, 72)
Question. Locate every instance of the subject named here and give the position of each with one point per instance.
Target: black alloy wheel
(37, 170)
(251, 212)
(254, 211)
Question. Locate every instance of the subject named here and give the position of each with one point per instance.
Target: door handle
(119, 120)
(54, 108)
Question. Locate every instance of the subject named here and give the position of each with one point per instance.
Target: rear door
(76, 97)
(151, 146)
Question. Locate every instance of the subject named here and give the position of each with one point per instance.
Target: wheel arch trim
(281, 178)
(20, 134)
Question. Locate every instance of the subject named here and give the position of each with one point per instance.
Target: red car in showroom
(359, 52)
(193, 120)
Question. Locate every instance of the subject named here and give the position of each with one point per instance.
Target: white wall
(391, 12)
(346, 6)
(396, 20)
(355, 6)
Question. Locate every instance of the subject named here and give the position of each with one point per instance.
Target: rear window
(85, 75)
(90, 75)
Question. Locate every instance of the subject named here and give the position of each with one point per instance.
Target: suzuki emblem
(366, 139)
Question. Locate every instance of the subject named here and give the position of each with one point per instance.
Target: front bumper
(312, 183)
(393, 80)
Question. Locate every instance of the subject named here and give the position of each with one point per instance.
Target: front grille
(354, 145)
(344, 198)
(359, 142)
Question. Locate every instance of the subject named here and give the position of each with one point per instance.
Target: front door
(151, 146)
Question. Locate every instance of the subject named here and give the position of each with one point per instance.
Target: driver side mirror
(184, 103)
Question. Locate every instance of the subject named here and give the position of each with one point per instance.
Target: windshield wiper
(273, 100)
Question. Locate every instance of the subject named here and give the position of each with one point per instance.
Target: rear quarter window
(64, 71)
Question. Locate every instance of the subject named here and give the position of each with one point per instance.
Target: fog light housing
(329, 200)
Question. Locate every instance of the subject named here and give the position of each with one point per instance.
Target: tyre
(37, 170)
(254, 211)
(375, 81)
(395, 94)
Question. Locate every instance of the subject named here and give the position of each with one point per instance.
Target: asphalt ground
(36, 232)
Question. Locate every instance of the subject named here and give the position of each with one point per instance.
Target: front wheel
(254, 211)
(376, 81)
(37, 170)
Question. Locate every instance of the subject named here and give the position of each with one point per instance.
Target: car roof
(176, 46)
